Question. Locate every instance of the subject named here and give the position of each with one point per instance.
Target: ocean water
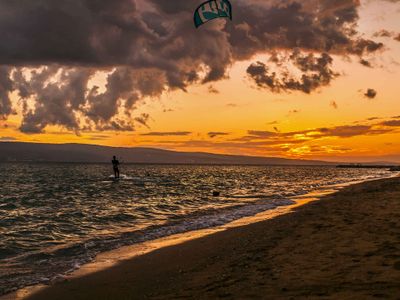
(55, 217)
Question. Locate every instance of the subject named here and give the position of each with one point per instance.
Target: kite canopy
(212, 9)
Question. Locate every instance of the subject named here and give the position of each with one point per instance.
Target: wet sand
(344, 246)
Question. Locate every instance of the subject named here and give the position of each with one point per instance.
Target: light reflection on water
(54, 217)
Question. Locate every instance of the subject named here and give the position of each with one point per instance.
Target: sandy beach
(344, 246)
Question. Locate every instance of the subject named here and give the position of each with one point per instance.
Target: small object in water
(216, 194)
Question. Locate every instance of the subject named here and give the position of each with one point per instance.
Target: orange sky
(232, 116)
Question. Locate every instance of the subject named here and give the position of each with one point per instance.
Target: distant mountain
(32, 152)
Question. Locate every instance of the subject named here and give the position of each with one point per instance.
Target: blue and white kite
(212, 9)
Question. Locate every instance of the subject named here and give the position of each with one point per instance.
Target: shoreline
(112, 259)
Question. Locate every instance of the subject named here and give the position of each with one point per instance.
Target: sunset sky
(315, 79)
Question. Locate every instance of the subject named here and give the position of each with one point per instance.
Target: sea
(56, 217)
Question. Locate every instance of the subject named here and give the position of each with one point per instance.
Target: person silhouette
(115, 164)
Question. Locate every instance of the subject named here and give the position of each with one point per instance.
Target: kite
(212, 9)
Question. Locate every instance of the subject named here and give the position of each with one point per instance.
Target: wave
(46, 266)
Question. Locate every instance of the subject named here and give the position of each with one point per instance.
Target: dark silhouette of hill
(33, 152)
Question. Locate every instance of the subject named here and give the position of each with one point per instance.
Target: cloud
(293, 111)
(315, 149)
(214, 134)
(321, 26)
(143, 119)
(273, 123)
(371, 93)
(294, 142)
(387, 34)
(232, 105)
(344, 131)
(261, 134)
(130, 32)
(8, 139)
(365, 63)
(6, 87)
(55, 102)
(383, 33)
(392, 123)
(315, 70)
(99, 137)
(148, 47)
(349, 131)
(175, 133)
(253, 146)
(212, 90)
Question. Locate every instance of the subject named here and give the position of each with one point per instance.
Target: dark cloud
(151, 46)
(365, 63)
(373, 118)
(56, 102)
(262, 134)
(371, 93)
(293, 111)
(73, 32)
(383, 33)
(68, 102)
(175, 133)
(6, 87)
(258, 135)
(214, 134)
(144, 58)
(266, 145)
(367, 46)
(345, 131)
(212, 90)
(387, 34)
(349, 131)
(273, 123)
(392, 123)
(103, 106)
(143, 119)
(127, 32)
(316, 72)
(321, 25)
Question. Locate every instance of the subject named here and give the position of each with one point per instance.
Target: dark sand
(345, 246)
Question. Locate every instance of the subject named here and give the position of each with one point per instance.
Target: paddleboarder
(115, 164)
